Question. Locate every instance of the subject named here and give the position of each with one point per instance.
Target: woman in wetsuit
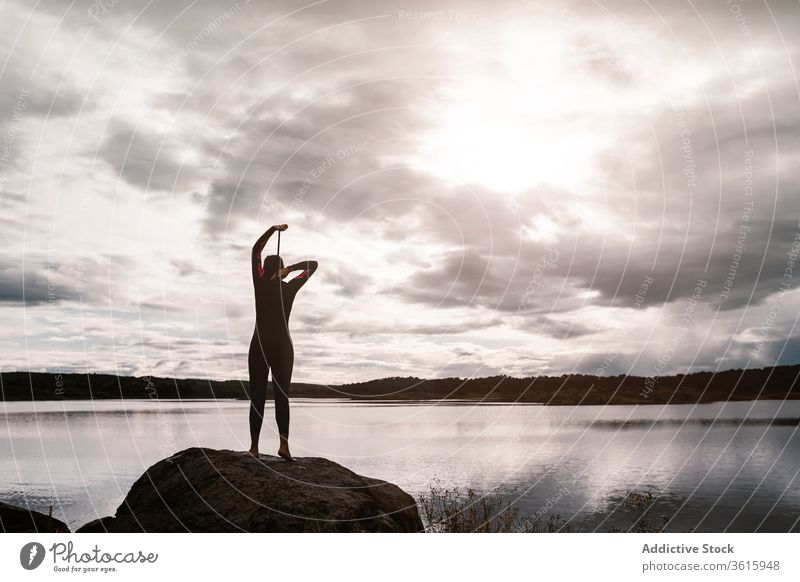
(271, 346)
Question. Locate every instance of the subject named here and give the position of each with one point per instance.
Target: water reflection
(714, 467)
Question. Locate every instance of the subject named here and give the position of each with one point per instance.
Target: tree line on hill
(776, 383)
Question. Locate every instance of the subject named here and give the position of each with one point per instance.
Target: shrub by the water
(453, 510)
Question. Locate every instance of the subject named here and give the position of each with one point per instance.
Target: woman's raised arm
(308, 268)
(257, 266)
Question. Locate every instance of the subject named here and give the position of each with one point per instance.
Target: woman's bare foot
(253, 453)
(283, 450)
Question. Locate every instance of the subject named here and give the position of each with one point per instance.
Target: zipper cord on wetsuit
(279, 243)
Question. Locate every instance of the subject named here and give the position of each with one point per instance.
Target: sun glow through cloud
(516, 120)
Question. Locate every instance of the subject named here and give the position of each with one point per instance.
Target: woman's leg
(259, 371)
(282, 363)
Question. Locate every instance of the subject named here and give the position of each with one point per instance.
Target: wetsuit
(271, 345)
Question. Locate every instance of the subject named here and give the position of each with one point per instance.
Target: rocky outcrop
(208, 490)
(20, 520)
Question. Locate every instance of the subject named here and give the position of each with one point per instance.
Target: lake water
(714, 467)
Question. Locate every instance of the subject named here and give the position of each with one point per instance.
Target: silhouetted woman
(271, 346)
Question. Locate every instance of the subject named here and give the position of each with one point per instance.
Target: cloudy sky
(490, 187)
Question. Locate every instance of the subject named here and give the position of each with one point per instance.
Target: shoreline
(398, 402)
(776, 383)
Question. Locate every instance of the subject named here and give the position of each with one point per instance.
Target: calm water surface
(714, 467)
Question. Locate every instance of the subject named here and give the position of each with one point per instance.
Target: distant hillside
(42, 386)
(760, 384)
(756, 384)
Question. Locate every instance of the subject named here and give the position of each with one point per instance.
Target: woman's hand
(281, 227)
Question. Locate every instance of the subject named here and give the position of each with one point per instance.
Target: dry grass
(453, 510)
(640, 505)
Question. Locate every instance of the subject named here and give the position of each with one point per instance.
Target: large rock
(15, 519)
(207, 490)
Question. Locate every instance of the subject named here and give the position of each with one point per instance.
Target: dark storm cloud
(302, 159)
(457, 279)
(99, 280)
(783, 351)
(144, 160)
(13, 290)
(464, 325)
(334, 325)
(689, 25)
(186, 268)
(50, 283)
(703, 233)
(348, 282)
(23, 96)
(558, 329)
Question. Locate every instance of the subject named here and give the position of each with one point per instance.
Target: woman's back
(274, 301)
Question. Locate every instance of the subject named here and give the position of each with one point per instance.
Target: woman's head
(272, 264)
